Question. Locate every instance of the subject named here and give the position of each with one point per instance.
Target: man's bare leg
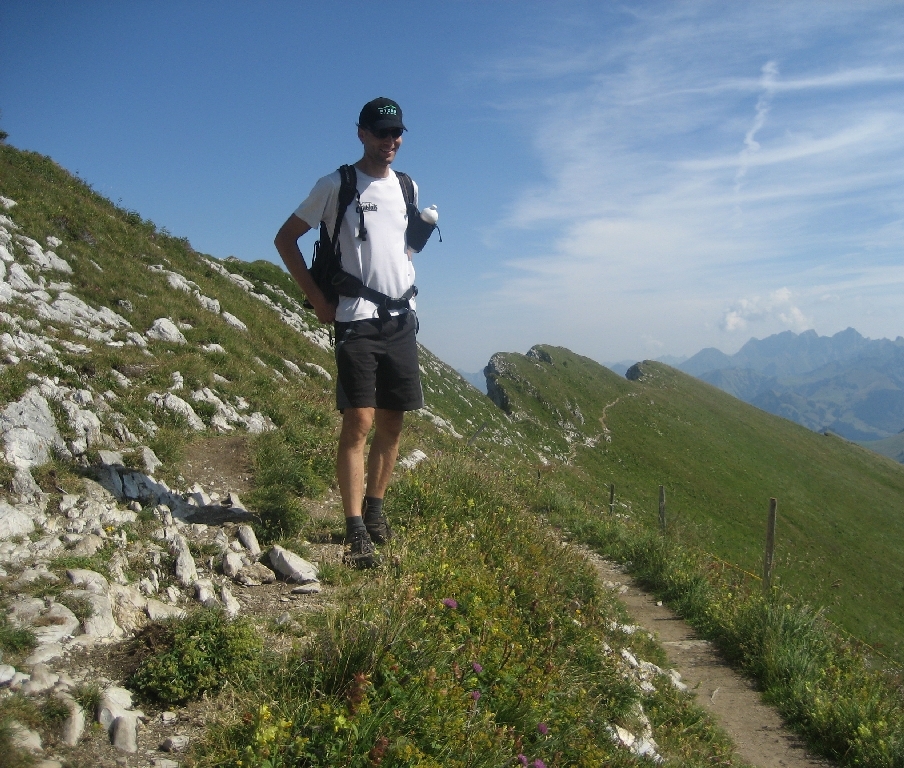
(384, 450)
(356, 423)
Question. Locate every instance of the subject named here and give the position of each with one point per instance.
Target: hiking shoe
(359, 550)
(377, 527)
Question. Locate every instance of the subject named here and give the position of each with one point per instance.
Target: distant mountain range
(846, 384)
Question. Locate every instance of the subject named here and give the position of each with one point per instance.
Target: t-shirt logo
(369, 207)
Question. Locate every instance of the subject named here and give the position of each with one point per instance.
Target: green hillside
(840, 525)
(893, 446)
(486, 638)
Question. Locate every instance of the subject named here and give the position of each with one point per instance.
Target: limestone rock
(124, 733)
(164, 329)
(49, 623)
(29, 431)
(91, 581)
(158, 611)
(186, 571)
(246, 535)
(24, 739)
(292, 566)
(74, 725)
(13, 522)
(232, 564)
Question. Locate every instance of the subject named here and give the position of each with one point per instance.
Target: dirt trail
(756, 729)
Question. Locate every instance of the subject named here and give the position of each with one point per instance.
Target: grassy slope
(840, 524)
(110, 250)
(893, 447)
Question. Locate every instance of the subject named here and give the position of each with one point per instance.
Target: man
(376, 353)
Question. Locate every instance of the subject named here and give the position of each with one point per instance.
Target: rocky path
(756, 729)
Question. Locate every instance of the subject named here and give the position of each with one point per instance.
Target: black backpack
(326, 265)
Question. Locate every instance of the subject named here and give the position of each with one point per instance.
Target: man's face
(380, 146)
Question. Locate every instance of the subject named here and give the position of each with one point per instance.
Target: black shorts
(377, 364)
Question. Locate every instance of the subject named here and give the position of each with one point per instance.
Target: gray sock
(353, 524)
(372, 507)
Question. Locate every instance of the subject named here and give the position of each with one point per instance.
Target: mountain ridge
(845, 383)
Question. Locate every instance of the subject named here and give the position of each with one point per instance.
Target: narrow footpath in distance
(756, 729)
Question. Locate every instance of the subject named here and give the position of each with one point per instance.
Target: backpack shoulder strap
(348, 189)
(407, 187)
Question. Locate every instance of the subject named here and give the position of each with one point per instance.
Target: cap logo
(387, 110)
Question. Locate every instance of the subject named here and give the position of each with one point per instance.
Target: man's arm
(286, 243)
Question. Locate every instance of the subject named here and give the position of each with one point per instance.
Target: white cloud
(666, 184)
(757, 310)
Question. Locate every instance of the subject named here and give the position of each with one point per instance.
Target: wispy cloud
(667, 185)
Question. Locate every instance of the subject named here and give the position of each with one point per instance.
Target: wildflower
(450, 603)
(477, 668)
(522, 760)
(475, 695)
(538, 763)
(543, 728)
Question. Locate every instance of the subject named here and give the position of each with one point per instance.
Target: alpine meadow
(170, 537)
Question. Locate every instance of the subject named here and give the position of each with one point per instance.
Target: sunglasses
(384, 133)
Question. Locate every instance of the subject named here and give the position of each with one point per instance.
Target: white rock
(74, 725)
(234, 321)
(320, 370)
(7, 672)
(44, 653)
(185, 568)
(232, 564)
(230, 604)
(24, 739)
(204, 593)
(29, 431)
(101, 622)
(49, 623)
(129, 607)
(412, 459)
(292, 566)
(124, 733)
(175, 744)
(158, 611)
(312, 588)
(42, 679)
(92, 581)
(211, 305)
(164, 329)
(174, 403)
(120, 378)
(246, 533)
(13, 522)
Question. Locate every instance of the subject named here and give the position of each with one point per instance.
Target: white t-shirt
(381, 261)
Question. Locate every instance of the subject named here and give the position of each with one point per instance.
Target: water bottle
(421, 227)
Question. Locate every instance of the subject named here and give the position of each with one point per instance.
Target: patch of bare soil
(218, 464)
(756, 729)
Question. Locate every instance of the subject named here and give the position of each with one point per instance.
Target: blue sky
(628, 180)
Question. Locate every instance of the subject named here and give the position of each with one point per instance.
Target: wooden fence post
(662, 508)
(611, 498)
(769, 555)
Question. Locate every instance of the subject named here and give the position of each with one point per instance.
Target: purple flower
(475, 695)
(522, 759)
(476, 667)
(538, 763)
(543, 728)
(450, 603)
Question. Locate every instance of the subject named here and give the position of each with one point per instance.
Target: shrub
(14, 639)
(196, 655)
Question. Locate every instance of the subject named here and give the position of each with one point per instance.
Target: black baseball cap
(381, 113)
